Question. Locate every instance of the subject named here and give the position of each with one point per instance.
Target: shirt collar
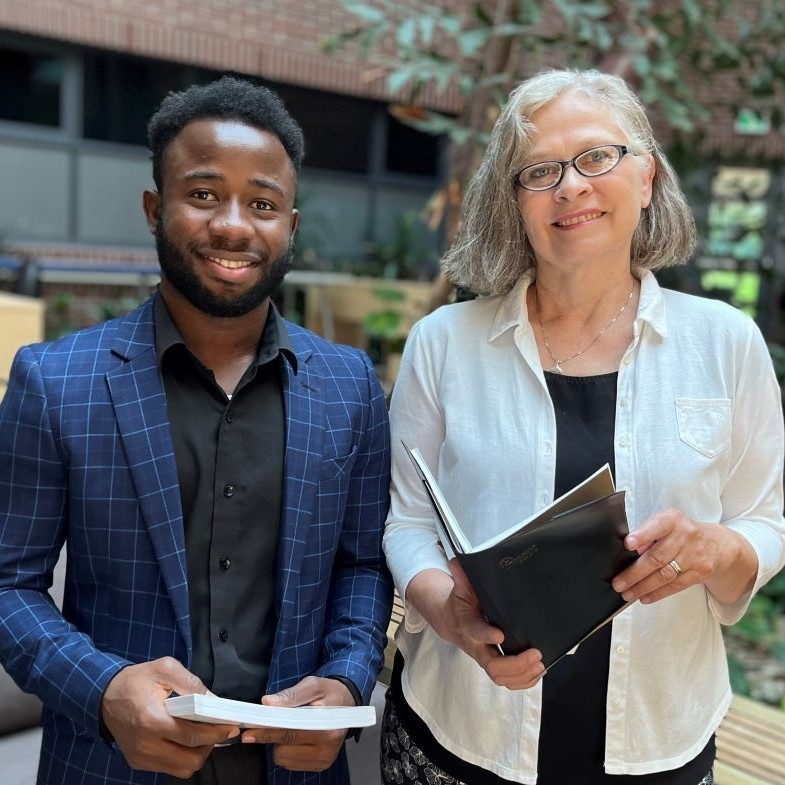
(275, 338)
(651, 307)
(513, 309)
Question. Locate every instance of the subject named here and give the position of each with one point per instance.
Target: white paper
(454, 541)
(210, 708)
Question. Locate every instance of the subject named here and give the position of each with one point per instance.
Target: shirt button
(620, 650)
(623, 441)
(627, 360)
(615, 703)
(224, 563)
(229, 417)
(228, 491)
(623, 402)
(546, 448)
(223, 636)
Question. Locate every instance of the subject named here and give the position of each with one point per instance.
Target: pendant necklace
(557, 364)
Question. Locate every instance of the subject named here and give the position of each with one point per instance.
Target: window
(30, 85)
(121, 94)
(410, 151)
(337, 128)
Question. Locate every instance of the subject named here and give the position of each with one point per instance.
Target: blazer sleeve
(41, 650)
(358, 609)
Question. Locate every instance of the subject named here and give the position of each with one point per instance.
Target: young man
(219, 477)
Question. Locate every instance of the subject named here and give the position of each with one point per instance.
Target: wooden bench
(750, 741)
(389, 652)
(751, 745)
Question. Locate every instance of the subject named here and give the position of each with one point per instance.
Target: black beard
(178, 272)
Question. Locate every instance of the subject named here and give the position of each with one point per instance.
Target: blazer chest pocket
(333, 467)
(704, 424)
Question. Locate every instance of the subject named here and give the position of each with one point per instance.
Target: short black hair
(228, 98)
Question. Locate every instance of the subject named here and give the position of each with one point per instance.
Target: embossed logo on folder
(508, 562)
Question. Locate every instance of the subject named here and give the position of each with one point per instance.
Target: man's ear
(151, 204)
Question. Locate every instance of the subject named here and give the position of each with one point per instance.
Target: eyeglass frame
(622, 148)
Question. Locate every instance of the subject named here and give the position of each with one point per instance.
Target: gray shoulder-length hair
(492, 251)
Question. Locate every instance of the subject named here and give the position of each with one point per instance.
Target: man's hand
(134, 713)
(304, 750)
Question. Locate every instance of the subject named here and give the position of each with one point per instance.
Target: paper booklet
(211, 708)
(546, 581)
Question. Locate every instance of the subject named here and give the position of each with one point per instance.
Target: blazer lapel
(304, 412)
(139, 402)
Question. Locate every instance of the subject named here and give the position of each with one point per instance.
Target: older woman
(577, 358)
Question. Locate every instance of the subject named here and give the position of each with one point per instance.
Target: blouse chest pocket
(705, 424)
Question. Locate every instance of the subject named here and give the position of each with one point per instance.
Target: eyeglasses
(590, 163)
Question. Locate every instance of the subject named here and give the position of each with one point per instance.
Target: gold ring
(678, 570)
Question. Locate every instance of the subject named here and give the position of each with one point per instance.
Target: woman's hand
(676, 552)
(451, 607)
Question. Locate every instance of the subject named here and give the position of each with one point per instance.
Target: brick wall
(280, 40)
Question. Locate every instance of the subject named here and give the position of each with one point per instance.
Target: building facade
(79, 81)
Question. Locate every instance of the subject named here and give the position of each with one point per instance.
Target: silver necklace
(557, 364)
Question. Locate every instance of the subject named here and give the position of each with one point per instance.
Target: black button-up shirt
(229, 453)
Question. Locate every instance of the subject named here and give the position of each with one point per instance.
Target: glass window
(337, 128)
(121, 94)
(410, 151)
(30, 85)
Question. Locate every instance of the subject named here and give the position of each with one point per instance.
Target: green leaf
(739, 682)
(460, 135)
(481, 14)
(567, 9)
(389, 295)
(406, 32)
(336, 42)
(467, 84)
(692, 12)
(397, 80)
(427, 25)
(641, 64)
(593, 10)
(778, 650)
(365, 11)
(383, 324)
(451, 24)
(471, 41)
(529, 11)
(603, 38)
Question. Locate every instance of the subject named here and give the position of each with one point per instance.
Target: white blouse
(698, 427)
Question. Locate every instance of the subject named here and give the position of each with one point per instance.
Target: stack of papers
(210, 708)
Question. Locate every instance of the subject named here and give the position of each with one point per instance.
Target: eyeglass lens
(590, 163)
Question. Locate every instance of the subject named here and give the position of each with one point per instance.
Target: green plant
(111, 309)
(385, 324)
(59, 319)
(451, 65)
(405, 255)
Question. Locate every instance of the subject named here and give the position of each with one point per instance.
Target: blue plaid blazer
(86, 459)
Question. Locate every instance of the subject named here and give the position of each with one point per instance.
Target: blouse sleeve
(410, 541)
(752, 499)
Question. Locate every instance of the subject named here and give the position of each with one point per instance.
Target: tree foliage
(477, 51)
